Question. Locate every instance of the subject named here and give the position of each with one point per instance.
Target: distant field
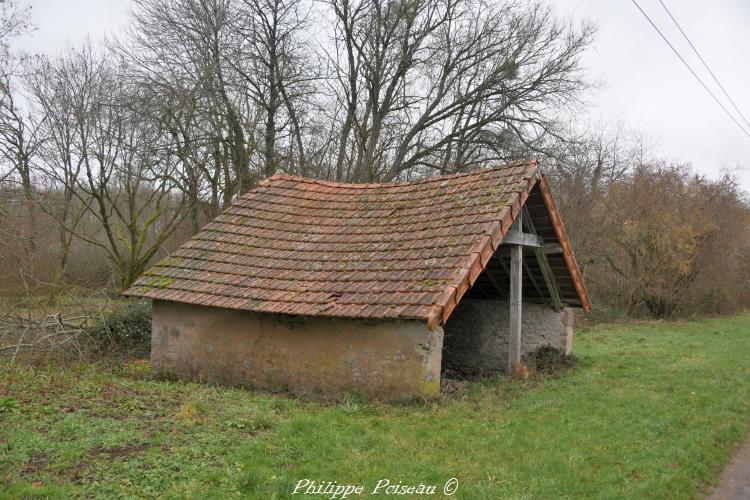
(653, 410)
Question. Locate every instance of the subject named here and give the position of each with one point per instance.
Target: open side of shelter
(322, 288)
(524, 297)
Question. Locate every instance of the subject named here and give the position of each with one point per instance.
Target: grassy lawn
(654, 410)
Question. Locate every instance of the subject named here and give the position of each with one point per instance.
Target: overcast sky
(642, 81)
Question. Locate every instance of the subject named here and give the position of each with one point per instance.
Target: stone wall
(313, 356)
(476, 334)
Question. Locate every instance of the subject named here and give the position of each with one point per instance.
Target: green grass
(653, 410)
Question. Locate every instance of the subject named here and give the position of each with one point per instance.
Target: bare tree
(275, 66)
(582, 167)
(413, 88)
(14, 20)
(18, 144)
(121, 178)
(57, 160)
(447, 84)
(18, 139)
(178, 53)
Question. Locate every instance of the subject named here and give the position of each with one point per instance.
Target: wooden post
(516, 276)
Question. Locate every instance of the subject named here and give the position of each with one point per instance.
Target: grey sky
(643, 83)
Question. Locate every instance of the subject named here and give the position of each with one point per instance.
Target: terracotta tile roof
(300, 246)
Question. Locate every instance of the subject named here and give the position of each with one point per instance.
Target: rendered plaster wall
(313, 356)
(476, 334)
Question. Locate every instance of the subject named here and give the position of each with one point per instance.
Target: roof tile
(301, 246)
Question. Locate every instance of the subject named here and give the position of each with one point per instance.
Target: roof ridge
(372, 185)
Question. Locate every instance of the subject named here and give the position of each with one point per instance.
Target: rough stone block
(476, 335)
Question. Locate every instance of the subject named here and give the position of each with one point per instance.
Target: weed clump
(549, 361)
(9, 404)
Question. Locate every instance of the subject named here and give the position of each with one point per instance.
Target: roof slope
(300, 246)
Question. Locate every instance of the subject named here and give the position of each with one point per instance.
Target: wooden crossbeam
(523, 239)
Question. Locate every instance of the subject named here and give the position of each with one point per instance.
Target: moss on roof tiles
(309, 237)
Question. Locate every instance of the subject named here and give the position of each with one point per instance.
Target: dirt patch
(119, 451)
(76, 473)
(36, 465)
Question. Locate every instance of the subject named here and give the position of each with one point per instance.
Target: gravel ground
(735, 480)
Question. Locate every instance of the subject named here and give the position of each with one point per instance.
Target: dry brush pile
(73, 326)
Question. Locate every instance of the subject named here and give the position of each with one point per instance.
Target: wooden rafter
(502, 263)
(549, 278)
(528, 221)
(567, 251)
(495, 281)
(534, 283)
(541, 256)
(481, 290)
(552, 249)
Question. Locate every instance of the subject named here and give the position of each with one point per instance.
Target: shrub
(126, 328)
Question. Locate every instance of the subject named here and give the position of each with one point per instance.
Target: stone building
(323, 288)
